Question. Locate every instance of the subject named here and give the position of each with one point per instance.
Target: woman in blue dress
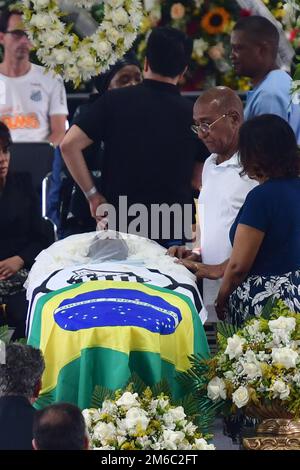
(265, 260)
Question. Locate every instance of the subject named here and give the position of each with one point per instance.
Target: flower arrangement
(258, 363)
(132, 421)
(209, 24)
(60, 48)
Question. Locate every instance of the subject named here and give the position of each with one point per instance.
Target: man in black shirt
(150, 150)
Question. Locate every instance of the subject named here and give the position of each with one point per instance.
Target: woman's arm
(247, 242)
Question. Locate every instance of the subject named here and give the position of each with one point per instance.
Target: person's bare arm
(57, 129)
(247, 242)
(74, 142)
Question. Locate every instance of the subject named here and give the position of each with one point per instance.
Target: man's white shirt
(222, 195)
(27, 102)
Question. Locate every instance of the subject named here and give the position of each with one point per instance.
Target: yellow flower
(215, 21)
(177, 11)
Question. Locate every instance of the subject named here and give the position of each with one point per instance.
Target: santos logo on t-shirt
(36, 95)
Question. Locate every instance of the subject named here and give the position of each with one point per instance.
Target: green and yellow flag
(99, 332)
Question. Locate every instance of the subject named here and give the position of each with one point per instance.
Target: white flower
(113, 35)
(51, 38)
(199, 47)
(109, 407)
(41, 3)
(103, 48)
(88, 417)
(280, 389)
(285, 357)
(104, 432)
(119, 17)
(235, 346)
(172, 439)
(252, 370)
(201, 444)
(283, 323)
(253, 328)
(240, 397)
(136, 417)
(229, 375)
(177, 413)
(128, 400)
(115, 3)
(216, 389)
(40, 20)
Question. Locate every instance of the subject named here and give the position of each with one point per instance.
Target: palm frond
(100, 394)
(161, 387)
(226, 329)
(137, 383)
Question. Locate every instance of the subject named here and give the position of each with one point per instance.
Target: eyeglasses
(17, 33)
(204, 127)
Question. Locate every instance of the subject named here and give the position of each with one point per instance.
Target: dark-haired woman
(265, 260)
(21, 237)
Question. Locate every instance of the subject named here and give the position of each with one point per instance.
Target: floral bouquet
(259, 363)
(140, 422)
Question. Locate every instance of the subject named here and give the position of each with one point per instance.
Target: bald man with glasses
(218, 116)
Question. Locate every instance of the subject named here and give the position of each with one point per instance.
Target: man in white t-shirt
(218, 115)
(32, 103)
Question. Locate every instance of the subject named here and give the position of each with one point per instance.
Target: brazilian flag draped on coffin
(99, 332)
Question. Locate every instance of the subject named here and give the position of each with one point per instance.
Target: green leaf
(226, 329)
(269, 306)
(100, 394)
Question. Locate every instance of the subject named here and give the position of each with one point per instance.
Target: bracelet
(91, 192)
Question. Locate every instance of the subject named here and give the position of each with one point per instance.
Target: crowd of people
(131, 161)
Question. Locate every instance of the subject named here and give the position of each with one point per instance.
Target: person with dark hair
(22, 237)
(149, 152)
(66, 204)
(254, 44)
(33, 104)
(265, 259)
(60, 427)
(20, 384)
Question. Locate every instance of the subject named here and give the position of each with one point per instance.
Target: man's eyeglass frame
(204, 127)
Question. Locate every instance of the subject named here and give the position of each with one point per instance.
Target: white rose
(177, 413)
(201, 444)
(252, 370)
(283, 323)
(128, 400)
(119, 17)
(51, 38)
(109, 407)
(104, 432)
(285, 357)
(234, 346)
(136, 417)
(40, 20)
(60, 55)
(240, 397)
(113, 35)
(172, 439)
(86, 62)
(103, 48)
(280, 389)
(216, 389)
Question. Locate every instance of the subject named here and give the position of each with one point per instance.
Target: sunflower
(215, 21)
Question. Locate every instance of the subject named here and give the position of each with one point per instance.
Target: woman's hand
(10, 266)
(221, 307)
